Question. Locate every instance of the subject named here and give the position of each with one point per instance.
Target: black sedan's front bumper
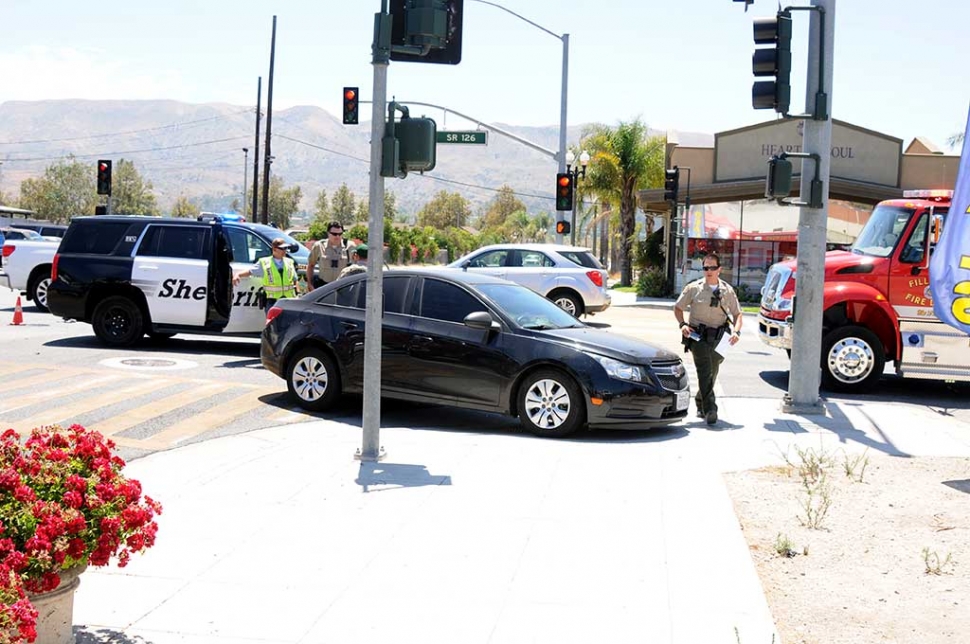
(638, 410)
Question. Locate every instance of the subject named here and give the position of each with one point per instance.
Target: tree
(131, 194)
(390, 205)
(342, 205)
(363, 211)
(624, 160)
(955, 140)
(504, 204)
(4, 198)
(283, 202)
(444, 210)
(184, 207)
(321, 216)
(66, 189)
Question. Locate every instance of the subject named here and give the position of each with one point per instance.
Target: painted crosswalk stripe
(52, 393)
(138, 415)
(66, 413)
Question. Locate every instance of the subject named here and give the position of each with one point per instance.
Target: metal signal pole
(805, 372)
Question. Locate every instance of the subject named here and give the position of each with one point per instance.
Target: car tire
(118, 322)
(567, 302)
(313, 379)
(852, 359)
(38, 291)
(550, 404)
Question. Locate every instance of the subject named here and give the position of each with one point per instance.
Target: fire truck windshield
(882, 231)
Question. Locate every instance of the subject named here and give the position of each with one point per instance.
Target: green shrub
(650, 282)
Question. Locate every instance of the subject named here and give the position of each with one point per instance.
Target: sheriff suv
(128, 276)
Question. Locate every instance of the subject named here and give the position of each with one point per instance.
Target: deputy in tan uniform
(714, 311)
(328, 257)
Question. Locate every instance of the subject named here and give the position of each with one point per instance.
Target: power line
(108, 134)
(119, 153)
(426, 176)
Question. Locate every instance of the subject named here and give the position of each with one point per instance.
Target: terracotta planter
(55, 620)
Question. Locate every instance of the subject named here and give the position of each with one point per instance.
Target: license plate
(683, 399)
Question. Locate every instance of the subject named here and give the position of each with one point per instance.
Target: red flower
(65, 502)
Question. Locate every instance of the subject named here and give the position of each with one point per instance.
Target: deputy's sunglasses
(338, 234)
(711, 268)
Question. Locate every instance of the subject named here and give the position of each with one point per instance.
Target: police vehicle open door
(185, 274)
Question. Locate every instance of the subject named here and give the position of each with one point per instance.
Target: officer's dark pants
(706, 361)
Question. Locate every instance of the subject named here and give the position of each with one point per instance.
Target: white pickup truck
(27, 268)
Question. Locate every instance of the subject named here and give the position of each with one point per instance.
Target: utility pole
(269, 127)
(245, 177)
(259, 98)
(805, 372)
(370, 450)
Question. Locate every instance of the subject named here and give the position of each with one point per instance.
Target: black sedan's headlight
(622, 370)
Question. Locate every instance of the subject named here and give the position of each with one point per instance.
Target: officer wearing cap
(714, 311)
(359, 265)
(278, 273)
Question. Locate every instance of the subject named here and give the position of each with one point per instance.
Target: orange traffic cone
(18, 314)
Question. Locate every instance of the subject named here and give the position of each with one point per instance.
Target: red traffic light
(350, 106)
(103, 167)
(564, 181)
(350, 94)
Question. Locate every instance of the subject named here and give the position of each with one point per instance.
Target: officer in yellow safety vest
(278, 273)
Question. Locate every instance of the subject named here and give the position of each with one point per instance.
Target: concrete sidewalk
(459, 536)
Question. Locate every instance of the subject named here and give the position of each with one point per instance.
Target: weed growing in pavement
(784, 546)
(934, 565)
(809, 464)
(816, 502)
(855, 465)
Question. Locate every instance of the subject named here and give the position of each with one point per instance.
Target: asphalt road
(159, 395)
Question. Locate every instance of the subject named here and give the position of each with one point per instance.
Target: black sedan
(477, 342)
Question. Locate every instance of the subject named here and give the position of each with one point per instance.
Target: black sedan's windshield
(529, 309)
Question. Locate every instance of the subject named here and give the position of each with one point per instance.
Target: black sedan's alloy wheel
(118, 322)
(550, 404)
(313, 379)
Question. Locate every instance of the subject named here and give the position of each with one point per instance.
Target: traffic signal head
(564, 191)
(426, 31)
(772, 61)
(351, 95)
(671, 183)
(104, 177)
(563, 227)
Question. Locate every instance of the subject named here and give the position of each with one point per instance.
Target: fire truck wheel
(852, 359)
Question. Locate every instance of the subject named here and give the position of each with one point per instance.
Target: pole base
(788, 406)
(369, 458)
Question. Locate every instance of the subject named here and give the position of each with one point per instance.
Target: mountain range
(196, 150)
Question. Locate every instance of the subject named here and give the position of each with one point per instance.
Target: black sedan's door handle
(421, 339)
(349, 325)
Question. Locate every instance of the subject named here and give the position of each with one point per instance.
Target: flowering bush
(64, 503)
(18, 618)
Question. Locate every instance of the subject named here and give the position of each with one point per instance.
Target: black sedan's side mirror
(294, 248)
(480, 320)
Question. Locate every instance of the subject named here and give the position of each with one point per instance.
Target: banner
(950, 263)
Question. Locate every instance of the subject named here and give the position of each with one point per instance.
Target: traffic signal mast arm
(535, 146)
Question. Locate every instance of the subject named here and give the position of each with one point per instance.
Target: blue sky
(900, 66)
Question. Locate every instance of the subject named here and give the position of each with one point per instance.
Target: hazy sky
(901, 67)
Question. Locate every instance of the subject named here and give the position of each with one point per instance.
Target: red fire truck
(877, 301)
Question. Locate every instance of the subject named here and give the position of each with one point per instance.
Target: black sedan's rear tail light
(273, 313)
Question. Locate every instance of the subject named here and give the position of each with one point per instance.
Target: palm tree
(955, 140)
(623, 161)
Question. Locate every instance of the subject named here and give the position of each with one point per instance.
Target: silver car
(570, 276)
